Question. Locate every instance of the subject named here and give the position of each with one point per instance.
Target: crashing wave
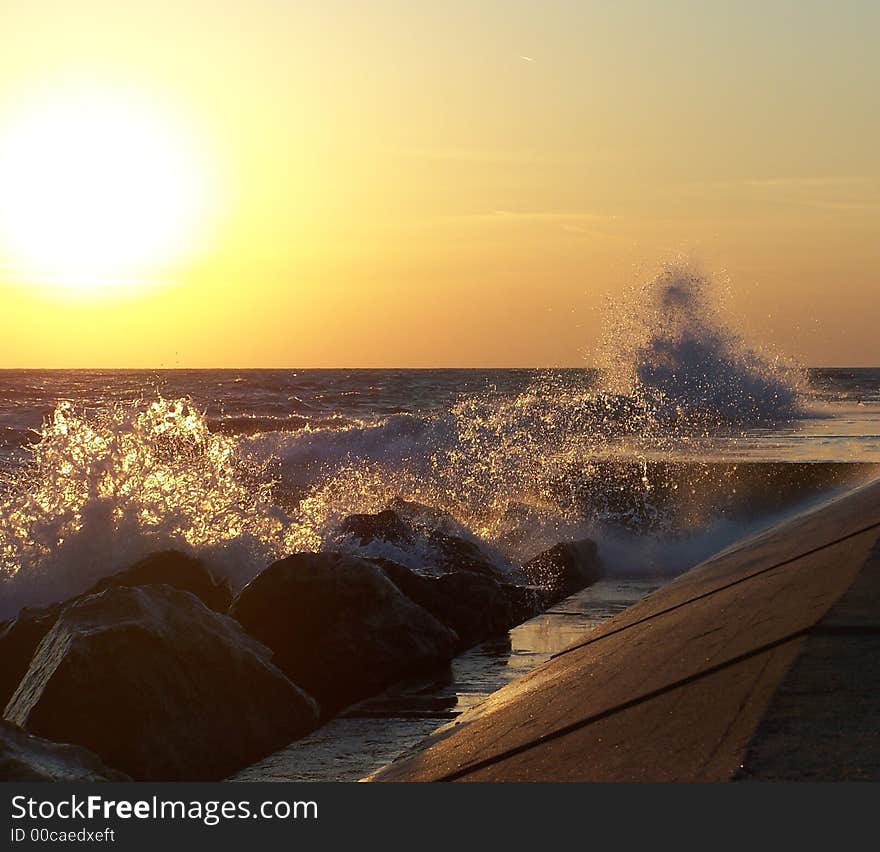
(102, 488)
(677, 352)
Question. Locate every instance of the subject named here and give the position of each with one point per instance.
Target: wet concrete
(759, 663)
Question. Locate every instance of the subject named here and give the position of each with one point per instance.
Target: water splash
(672, 348)
(104, 488)
(568, 454)
(567, 457)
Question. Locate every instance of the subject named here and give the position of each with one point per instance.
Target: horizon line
(374, 368)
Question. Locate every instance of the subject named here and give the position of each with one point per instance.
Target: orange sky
(460, 184)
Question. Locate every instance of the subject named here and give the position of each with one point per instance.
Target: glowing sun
(98, 191)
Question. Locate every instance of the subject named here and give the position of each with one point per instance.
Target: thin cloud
(842, 193)
(483, 156)
(575, 223)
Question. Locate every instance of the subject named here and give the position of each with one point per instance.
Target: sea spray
(671, 346)
(104, 488)
(566, 457)
(530, 469)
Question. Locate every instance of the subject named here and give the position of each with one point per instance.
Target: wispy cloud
(532, 216)
(576, 223)
(801, 183)
(492, 155)
(840, 193)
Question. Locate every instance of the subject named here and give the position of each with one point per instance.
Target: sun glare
(98, 192)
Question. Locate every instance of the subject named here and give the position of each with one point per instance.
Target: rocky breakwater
(150, 673)
(464, 582)
(404, 591)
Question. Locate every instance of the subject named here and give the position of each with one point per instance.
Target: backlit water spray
(566, 457)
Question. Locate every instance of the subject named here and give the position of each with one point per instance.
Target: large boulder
(473, 605)
(159, 686)
(175, 569)
(339, 627)
(27, 758)
(20, 636)
(565, 568)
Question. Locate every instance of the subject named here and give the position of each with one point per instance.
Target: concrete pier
(762, 663)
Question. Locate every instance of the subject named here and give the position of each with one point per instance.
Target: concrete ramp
(763, 662)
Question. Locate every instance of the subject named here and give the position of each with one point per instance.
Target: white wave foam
(676, 350)
(102, 490)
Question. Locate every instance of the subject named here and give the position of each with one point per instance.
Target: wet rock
(18, 641)
(473, 605)
(20, 636)
(384, 526)
(458, 554)
(175, 569)
(565, 568)
(424, 538)
(159, 686)
(526, 601)
(339, 627)
(27, 758)
(428, 517)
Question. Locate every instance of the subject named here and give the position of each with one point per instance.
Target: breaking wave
(677, 351)
(105, 488)
(566, 457)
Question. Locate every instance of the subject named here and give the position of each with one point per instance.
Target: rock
(427, 517)
(525, 601)
(175, 569)
(459, 554)
(339, 627)
(422, 538)
(20, 636)
(27, 758)
(385, 526)
(159, 686)
(468, 593)
(18, 641)
(565, 568)
(473, 605)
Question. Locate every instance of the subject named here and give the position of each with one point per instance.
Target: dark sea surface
(840, 420)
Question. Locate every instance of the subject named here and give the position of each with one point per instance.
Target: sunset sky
(395, 183)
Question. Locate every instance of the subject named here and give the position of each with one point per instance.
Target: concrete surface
(760, 663)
